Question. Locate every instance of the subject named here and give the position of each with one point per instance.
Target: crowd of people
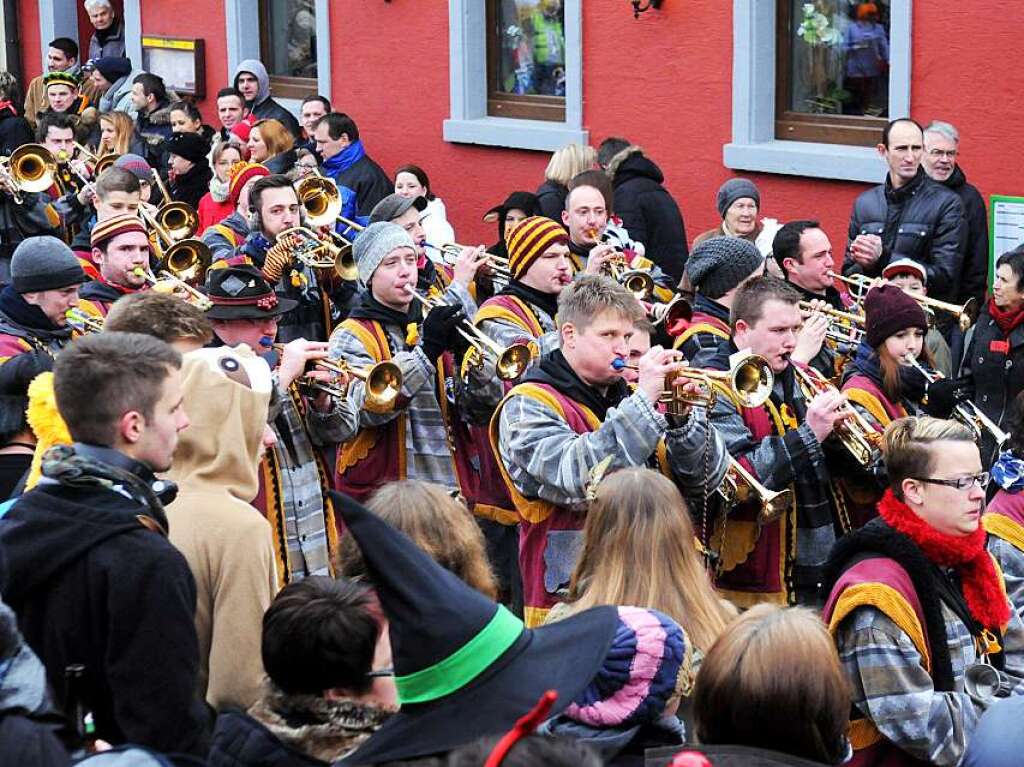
(291, 478)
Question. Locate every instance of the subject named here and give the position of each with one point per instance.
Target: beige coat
(226, 541)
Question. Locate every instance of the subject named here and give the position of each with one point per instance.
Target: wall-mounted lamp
(639, 6)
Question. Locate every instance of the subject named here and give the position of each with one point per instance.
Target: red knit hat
(109, 228)
(239, 174)
(887, 311)
(529, 240)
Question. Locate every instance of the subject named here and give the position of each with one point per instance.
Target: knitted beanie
(887, 311)
(109, 228)
(191, 146)
(648, 664)
(44, 263)
(529, 240)
(241, 129)
(240, 174)
(718, 265)
(61, 78)
(113, 68)
(374, 243)
(135, 165)
(736, 189)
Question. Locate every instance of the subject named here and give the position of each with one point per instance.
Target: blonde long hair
(639, 549)
(123, 127)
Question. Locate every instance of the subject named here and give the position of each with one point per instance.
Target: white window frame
(243, 42)
(469, 122)
(58, 18)
(754, 146)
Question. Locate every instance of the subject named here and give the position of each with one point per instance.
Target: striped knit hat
(109, 228)
(529, 240)
(241, 173)
(648, 664)
(61, 78)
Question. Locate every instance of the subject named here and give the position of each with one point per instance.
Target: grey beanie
(394, 205)
(44, 263)
(736, 189)
(718, 265)
(374, 243)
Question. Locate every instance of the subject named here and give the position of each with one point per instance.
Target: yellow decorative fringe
(45, 422)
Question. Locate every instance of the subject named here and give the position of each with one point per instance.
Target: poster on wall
(1005, 228)
(180, 62)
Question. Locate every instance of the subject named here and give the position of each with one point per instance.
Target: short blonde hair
(907, 446)
(592, 294)
(570, 161)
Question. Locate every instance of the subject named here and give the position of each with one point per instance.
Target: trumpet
(305, 246)
(30, 168)
(510, 362)
(739, 485)
(100, 162)
(843, 327)
(168, 283)
(450, 252)
(964, 313)
(856, 434)
(82, 322)
(749, 381)
(383, 383)
(639, 282)
(676, 310)
(967, 412)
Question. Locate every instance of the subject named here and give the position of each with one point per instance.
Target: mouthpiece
(620, 364)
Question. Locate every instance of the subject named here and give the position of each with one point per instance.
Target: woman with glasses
(916, 600)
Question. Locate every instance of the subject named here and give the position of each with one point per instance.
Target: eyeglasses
(962, 483)
(939, 153)
(380, 673)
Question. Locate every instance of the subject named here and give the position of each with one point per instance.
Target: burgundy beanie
(888, 310)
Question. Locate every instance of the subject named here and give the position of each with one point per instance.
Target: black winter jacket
(192, 186)
(648, 211)
(14, 131)
(368, 180)
(91, 584)
(551, 199)
(30, 219)
(268, 109)
(241, 741)
(975, 269)
(921, 220)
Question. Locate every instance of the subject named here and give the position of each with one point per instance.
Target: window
(288, 46)
(832, 72)
(526, 59)
(767, 101)
(516, 73)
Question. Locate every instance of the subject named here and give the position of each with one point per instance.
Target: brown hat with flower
(241, 293)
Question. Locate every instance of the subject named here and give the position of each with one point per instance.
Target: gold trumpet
(168, 283)
(510, 362)
(305, 246)
(965, 313)
(383, 383)
(739, 485)
(100, 162)
(843, 327)
(749, 381)
(856, 434)
(30, 168)
(82, 322)
(639, 282)
(450, 252)
(678, 309)
(967, 412)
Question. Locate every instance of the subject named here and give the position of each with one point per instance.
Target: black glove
(944, 395)
(439, 330)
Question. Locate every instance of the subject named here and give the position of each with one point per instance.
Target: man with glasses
(940, 158)
(916, 601)
(908, 216)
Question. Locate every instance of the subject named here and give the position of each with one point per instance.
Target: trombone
(450, 251)
(100, 162)
(967, 412)
(510, 361)
(739, 485)
(676, 310)
(964, 313)
(856, 434)
(30, 168)
(383, 383)
(173, 225)
(82, 322)
(172, 285)
(749, 381)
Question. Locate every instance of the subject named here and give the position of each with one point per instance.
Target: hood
(227, 394)
(631, 163)
(118, 90)
(22, 676)
(255, 67)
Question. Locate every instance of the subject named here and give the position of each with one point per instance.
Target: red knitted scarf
(965, 554)
(1005, 319)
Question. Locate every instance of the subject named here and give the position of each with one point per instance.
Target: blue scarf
(345, 159)
(1008, 472)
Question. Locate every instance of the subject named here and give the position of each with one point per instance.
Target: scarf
(9, 106)
(219, 190)
(913, 385)
(110, 33)
(1008, 472)
(345, 159)
(966, 555)
(554, 369)
(29, 316)
(1006, 320)
(545, 301)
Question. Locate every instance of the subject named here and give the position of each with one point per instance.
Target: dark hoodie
(551, 199)
(263, 107)
(92, 584)
(974, 276)
(648, 211)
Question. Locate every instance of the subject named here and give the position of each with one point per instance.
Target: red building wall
(663, 81)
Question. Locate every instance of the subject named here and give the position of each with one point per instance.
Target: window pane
(290, 35)
(839, 57)
(529, 41)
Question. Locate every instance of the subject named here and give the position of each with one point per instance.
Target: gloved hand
(439, 330)
(278, 260)
(944, 395)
